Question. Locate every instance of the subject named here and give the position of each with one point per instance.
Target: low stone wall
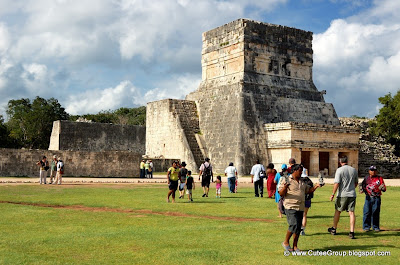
(20, 162)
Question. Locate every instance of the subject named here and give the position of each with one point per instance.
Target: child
(182, 177)
(189, 185)
(218, 186)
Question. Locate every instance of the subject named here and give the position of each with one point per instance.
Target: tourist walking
(277, 180)
(294, 191)
(271, 186)
(206, 174)
(345, 183)
(372, 186)
(190, 185)
(53, 169)
(292, 161)
(231, 174)
(172, 179)
(43, 167)
(182, 177)
(307, 202)
(218, 185)
(257, 178)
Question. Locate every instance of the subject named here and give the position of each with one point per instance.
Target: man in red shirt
(372, 186)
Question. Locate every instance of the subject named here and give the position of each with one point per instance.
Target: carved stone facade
(257, 100)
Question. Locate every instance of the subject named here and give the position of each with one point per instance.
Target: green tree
(31, 123)
(123, 116)
(5, 139)
(388, 120)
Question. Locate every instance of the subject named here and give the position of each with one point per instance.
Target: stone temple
(257, 100)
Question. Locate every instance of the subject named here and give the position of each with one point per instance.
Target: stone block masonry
(84, 136)
(171, 128)
(255, 76)
(17, 162)
(21, 162)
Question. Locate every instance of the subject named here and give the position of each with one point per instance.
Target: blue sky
(107, 54)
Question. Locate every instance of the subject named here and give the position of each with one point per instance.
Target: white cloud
(357, 61)
(93, 101)
(4, 38)
(176, 88)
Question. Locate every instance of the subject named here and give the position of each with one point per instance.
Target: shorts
(205, 181)
(182, 186)
(189, 191)
(294, 219)
(347, 204)
(173, 185)
(307, 204)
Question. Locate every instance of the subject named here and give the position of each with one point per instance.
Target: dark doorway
(305, 159)
(324, 161)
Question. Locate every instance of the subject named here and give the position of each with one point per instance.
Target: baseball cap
(284, 166)
(372, 168)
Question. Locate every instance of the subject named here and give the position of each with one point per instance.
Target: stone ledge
(308, 127)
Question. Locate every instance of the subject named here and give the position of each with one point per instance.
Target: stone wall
(90, 136)
(373, 150)
(171, 126)
(21, 162)
(255, 73)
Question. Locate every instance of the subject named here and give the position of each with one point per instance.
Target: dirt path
(140, 212)
(244, 182)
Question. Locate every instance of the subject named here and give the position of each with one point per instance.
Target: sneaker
(204, 195)
(257, 195)
(351, 235)
(261, 196)
(191, 200)
(377, 229)
(302, 233)
(180, 197)
(332, 230)
(367, 230)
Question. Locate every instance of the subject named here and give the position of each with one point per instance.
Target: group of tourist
(297, 193)
(56, 170)
(179, 177)
(146, 169)
(293, 191)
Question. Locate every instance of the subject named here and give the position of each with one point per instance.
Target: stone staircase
(186, 111)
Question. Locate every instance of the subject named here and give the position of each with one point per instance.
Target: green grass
(115, 226)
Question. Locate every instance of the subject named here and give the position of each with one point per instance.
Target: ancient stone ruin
(257, 100)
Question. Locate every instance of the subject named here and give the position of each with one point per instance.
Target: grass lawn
(133, 224)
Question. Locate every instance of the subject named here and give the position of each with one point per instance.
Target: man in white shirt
(231, 174)
(256, 179)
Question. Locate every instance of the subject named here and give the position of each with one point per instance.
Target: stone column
(314, 163)
(333, 162)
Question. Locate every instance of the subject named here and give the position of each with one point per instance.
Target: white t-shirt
(230, 172)
(255, 171)
(59, 165)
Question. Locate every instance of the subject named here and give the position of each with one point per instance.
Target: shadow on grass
(319, 216)
(234, 197)
(355, 247)
(194, 201)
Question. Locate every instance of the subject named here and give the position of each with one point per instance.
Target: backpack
(207, 171)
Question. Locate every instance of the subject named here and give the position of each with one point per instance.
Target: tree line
(30, 123)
